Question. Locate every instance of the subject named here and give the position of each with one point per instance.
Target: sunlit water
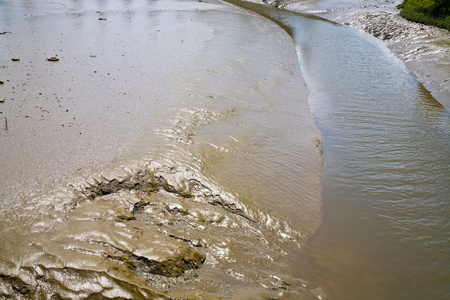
(386, 174)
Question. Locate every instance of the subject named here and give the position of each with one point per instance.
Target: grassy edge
(415, 14)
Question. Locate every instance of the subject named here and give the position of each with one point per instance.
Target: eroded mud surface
(168, 153)
(149, 227)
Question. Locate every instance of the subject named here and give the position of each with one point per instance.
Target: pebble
(15, 59)
(53, 58)
(2, 100)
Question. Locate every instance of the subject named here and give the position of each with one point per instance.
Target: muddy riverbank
(168, 152)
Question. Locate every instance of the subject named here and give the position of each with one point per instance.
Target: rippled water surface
(386, 178)
(171, 153)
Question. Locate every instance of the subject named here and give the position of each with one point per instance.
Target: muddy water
(424, 49)
(158, 158)
(386, 167)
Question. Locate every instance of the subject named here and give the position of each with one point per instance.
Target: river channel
(386, 175)
(184, 149)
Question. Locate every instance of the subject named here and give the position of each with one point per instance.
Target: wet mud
(169, 153)
(116, 237)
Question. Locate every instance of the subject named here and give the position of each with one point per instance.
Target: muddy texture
(139, 235)
(169, 153)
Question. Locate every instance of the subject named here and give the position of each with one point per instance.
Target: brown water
(170, 152)
(386, 176)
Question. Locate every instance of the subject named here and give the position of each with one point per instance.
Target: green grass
(430, 12)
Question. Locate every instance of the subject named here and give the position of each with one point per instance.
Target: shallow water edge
(424, 49)
(385, 176)
(161, 161)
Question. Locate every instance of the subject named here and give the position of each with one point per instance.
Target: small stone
(15, 59)
(102, 19)
(2, 100)
(1, 82)
(53, 58)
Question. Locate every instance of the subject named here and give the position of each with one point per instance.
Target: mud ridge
(139, 233)
(145, 181)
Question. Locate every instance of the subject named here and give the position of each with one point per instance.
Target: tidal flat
(153, 149)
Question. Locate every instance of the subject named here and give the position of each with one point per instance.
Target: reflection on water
(386, 174)
(385, 177)
(212, 183)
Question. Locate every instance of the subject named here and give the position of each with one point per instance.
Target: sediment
(169, 154)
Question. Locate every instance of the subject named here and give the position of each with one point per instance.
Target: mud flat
(153, 150)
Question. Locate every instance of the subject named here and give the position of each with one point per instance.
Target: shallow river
(386, 177)
(171, 153)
